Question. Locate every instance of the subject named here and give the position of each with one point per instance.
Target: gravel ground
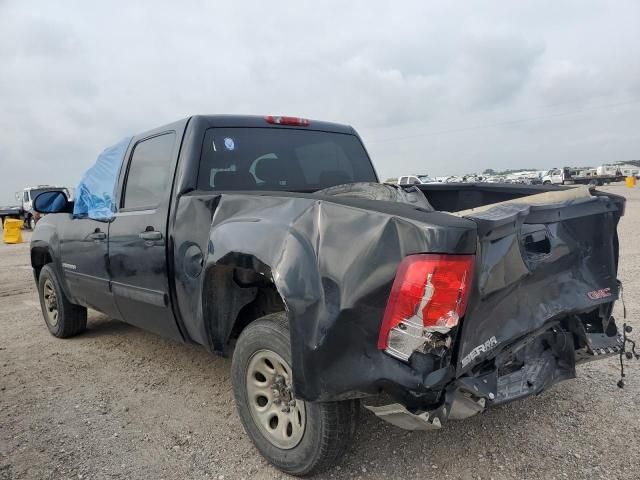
(117, 402)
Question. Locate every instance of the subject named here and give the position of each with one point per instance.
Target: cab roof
(249, 121)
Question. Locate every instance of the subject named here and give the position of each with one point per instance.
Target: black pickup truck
(271, 240)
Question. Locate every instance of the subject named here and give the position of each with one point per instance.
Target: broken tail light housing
(296, 121)
(428, 297)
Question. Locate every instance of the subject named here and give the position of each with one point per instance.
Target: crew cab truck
(577, 176)
(271, 240)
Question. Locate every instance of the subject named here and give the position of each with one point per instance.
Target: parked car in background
(626, 170)
(580, 176)
(415, 180)
(23, 210)
(10, 211)
(494, 179)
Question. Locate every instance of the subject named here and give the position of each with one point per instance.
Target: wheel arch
(41, 255)
(243, 280)
(233, 297)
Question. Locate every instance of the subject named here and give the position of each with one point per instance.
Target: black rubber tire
(330, 426)
(72, 319)
(380, 191)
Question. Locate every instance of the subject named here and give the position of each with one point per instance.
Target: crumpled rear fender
(332, 263)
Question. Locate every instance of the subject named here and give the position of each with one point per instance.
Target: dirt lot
(117, 402)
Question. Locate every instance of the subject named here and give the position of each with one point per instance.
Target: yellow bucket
(12, 230)
(631, 182)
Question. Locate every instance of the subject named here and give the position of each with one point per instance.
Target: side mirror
(51, 202)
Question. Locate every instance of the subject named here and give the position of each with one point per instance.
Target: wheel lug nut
(285, 409)
(292, 403)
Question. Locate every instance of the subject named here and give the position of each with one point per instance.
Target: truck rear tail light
(428, 296)
(276, 120)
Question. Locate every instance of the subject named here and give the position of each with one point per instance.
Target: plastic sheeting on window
(95, 194)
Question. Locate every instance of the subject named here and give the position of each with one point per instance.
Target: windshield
(281, 159)
(425, 178)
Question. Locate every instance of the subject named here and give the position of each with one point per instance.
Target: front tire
(297, 437)
(63, 318)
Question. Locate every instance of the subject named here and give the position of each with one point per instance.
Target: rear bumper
(526, 368)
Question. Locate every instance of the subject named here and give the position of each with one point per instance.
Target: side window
(402, 180)
(149, 175)
(26, 196)
(414, 181)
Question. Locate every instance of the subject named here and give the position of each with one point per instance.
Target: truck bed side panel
(333, 265)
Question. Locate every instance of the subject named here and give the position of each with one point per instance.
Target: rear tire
(308, 437)
(63, 318)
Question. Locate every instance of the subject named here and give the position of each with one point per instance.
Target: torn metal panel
(534, 266)
(399, 416)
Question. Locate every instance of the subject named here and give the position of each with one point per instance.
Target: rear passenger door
(138, 236)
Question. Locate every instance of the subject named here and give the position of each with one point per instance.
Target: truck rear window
(281, 159)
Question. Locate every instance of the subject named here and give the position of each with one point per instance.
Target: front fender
(45, 238)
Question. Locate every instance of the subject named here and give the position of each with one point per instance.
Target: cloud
(492, 69)
(564, 81)
(445, 80)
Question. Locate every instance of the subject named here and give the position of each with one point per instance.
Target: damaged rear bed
(540, 302)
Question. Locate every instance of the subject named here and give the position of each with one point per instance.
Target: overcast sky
(432, 87)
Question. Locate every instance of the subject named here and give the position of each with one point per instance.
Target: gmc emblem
(598, 294)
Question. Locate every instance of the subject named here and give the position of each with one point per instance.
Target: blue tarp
(95, 194)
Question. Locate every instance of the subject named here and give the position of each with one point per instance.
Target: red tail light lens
(299, 122)
(429, 294)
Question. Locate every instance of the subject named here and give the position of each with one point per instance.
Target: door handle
(98, 236)
(151, 235)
